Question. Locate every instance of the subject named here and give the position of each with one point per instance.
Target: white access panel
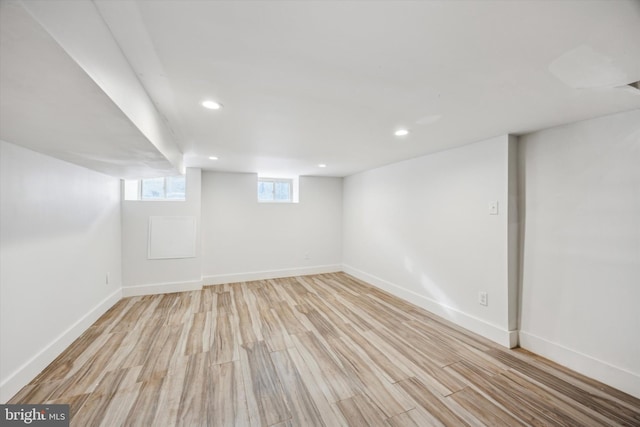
(172, 237)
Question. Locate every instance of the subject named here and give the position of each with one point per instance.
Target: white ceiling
(313, 82)
(49, 104)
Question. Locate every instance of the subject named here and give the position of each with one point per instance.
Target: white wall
(581, 263)
(243, 239)
(141, 275)
(60, 228)
(421, 229)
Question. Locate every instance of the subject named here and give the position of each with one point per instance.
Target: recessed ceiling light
(322, 165)
(213, 158)
(211, 105)
(401, 132)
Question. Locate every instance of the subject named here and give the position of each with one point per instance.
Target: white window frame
(164, 189)
(274, 181)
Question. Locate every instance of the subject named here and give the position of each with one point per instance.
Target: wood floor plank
(224, 347)
(273, 332)
(263, 384)
(485, 411)
(582, 415)
(325, 350)
(418, 416)
(430, 348)
(376, 388)
(321, 324)
(325, 368)
(224, 304)
(208, 301)
(143, 346)
(329, 415)
(36, 392)
(323, 305)
(74, 361)
(227, 404)
(339, 284)
(333, 302)
(260, 294)
(194, 400)
(246, 322)
(171, 393)
(456, 349)
(512, 401)
(165, 305)
(144, 408)
(130, 316)
(359, 410)
(180, 310)
(396, 371)
(303, 408)
(269, 287)
(199, 333)
(403, 420)
(431, 401)
(114, 383)
(113, 315)
(91, 372)
(419, 357)
(296, 292)
(120, 404)
(289, 319)
(158, 362)
(369, 321)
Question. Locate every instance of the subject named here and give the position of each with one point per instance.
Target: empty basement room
(319, 213)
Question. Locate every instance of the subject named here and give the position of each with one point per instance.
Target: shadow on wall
(434, 292)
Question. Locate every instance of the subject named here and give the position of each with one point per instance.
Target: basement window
(277, 190)
(171, 188)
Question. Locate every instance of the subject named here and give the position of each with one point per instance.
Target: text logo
(34, 415)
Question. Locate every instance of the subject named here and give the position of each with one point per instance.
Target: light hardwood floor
(308, 351)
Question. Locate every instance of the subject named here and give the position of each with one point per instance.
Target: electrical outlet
(493, 207)
(106, 279)
(483, 298)
(306, 255)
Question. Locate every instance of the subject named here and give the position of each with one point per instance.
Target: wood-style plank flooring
(324, 350)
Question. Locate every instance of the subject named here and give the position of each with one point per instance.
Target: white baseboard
(494, 333)
(614, 376)
(31, 368)
(161, 288)
(270, 274)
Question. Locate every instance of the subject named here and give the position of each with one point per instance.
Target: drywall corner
(513, 234)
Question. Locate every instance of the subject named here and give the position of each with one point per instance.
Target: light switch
(493, 208)
(483, 298)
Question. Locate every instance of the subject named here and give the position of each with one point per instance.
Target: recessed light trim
(322, 165)
(401, 132)
(211, 105)
(213, 158)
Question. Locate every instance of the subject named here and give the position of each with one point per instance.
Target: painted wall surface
(243, 236)
(86, 37)
(141, 275)
(581, 264)
(60, 228)
(421, 229)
